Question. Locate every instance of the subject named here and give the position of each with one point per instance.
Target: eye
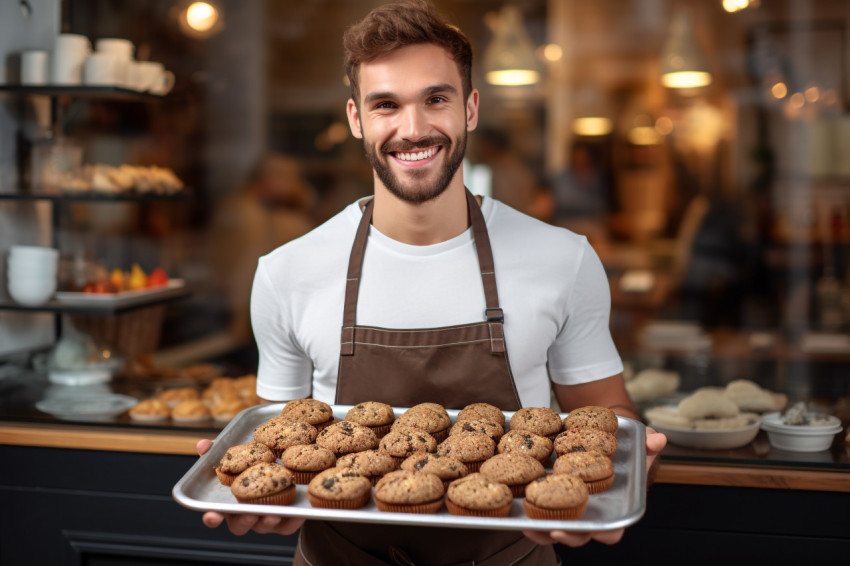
(437, 99)
(385, 105)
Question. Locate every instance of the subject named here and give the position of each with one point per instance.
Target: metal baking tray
(620, 506)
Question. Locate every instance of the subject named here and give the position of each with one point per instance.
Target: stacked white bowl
(31, 274)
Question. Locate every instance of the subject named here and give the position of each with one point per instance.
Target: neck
(421, 224)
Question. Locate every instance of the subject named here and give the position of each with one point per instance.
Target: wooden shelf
(82, 91)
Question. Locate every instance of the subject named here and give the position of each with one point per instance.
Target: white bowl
(31, 295)
(710, 439)
(799, 438)
(32, 252)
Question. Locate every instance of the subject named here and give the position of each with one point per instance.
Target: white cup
(69, 53)
(103, 69)
(150, 76)
(32, 293)
(119, 48)
(34, 67)
(34, 252)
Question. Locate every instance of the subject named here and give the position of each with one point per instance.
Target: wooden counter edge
(764, 477)
(109, 439)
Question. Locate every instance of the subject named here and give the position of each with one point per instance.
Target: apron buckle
(494, 314)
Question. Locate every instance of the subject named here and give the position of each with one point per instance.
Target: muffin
(584, 439)
(279, 433)
(371, 464)
(226, 409)
(492, 429)
(471, 448)
(594, 468)
(191, 411)
(446, 468)
(173, 397)
(339, 488)
(403, 491)
(481, 411)
(539, 420)
(403, 441)
(534, 445)
(239, 458)
(344, 437)
(266, 483)
(479, 496)
(592, 416)
(305, 461)
(556, 497)
(149, 411)
(425, 417)
(373, 414)
(513, 469)
(310, 411)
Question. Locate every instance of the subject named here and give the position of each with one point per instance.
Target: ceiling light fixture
(509, 59)
(683, 62)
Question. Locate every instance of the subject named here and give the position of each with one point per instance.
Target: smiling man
(425, 293)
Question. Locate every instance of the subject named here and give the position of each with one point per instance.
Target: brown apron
(453, 366)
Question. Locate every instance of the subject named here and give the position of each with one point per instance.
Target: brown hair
(393, 26)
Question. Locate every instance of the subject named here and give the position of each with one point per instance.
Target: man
(434, 292)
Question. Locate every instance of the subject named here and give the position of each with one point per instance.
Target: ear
(354, 119)
(472, 110)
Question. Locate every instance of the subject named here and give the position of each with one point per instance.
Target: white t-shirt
(552, 289)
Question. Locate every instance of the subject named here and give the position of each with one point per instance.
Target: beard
(420, 188)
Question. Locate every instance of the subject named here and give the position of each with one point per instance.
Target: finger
(539, 537)
(203, 445)
(241, 524)
(212, 520)
(572, 540)
(267, 524)
(655, 442)
(289, 526)
(609, 537)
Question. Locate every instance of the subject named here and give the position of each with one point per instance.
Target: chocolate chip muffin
(471, 448)
(556, 497)
(594, 468)
(481, 411)
(344, 437)
(402, 441)
(266, 483)
(424, 417)
(479, 496)
(584, 439)
(310, 411)
(513, 469)
(305, 461)
(339, 488)
(592, 416)
(492, 429)
(279, 433)
(539, 420)
(372, 464)
(373, 414)
(239, 458)
(534, 445)
(446, 468)
(403, 491)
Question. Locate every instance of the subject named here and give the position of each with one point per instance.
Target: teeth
(418, 155)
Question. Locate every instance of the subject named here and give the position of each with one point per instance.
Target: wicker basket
(130, 334)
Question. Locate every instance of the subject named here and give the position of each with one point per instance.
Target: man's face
(413, 120)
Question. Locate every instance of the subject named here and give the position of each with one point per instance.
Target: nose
(412, 124)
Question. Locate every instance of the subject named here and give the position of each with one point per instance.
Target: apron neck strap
(493, 313)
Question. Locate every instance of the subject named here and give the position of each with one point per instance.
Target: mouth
(416, 157)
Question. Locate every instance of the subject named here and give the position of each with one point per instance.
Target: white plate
(118, 299)
(720, 439)
(87, 407)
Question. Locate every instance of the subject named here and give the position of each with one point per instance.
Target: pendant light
(683, 61)
(592, 113)
(509, 59)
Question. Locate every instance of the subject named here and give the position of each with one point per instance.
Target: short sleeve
(584, 350)
(284, 371)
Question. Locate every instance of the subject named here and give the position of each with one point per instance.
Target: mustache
(405, 146)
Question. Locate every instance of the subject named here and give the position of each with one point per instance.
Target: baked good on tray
(539, 420)
(317, 413)
(514, 470)
(584, 439)
(557, 497)
(279, 433)
(344, 437)
(266, 483)
(190, 411)
(523, 442)
(481, 411)
(305, 461)
(491, 428)
(339, 488)
(592, 416)
(149, 411)
(430, 417)
(373, 414)
(373, 464)
(403, 491)
(594, 468)
(446, 468)
(478, 496)
(402, 441)
(471, 448)
(239, 458)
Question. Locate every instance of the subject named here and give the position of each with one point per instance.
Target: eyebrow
(428, 91)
